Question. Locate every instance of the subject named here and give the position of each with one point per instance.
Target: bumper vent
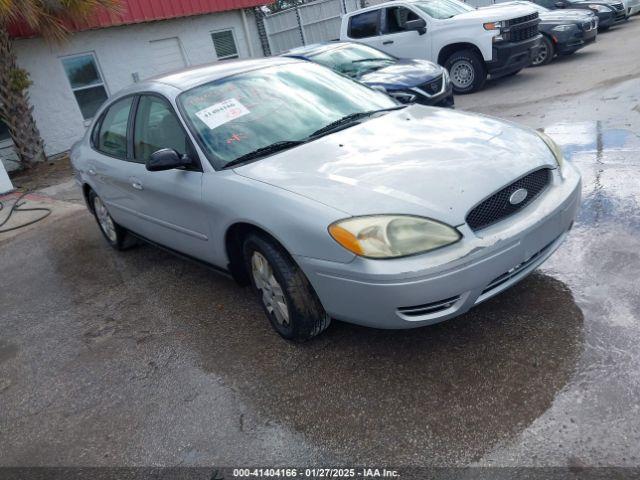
(428, 308)
(506, 276)
(499, 206)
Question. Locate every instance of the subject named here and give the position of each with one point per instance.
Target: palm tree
(52, 20)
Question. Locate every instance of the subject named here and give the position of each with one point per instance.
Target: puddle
(608, 159)
(595, 138)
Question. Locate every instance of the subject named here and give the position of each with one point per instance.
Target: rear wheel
(287, 298)
(467, 71)
(545, 53)
(115, 235)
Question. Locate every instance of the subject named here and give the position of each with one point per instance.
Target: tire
(545, 53)
(114, 234)
(467, 71)
(288, 300)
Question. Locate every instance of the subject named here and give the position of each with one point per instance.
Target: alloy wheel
(541, 56)
(272, 293)
(104, 220)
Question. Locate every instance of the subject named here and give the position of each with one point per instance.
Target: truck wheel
(545, 53)
(467, 71)
(287, 298)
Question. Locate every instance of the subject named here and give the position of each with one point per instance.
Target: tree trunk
(15, 110)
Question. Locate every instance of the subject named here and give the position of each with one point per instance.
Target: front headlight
(563, 28)
(598, 8)
(390, 236)
(553, 146)
(446, 78)
(402, 97)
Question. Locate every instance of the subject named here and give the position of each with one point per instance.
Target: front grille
(497, 206)
(521, 28)
(508, 275)
(428, 308)
(433, 87)
(618, 6)
(519, 20)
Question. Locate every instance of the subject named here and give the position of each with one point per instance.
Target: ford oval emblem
(518, 196)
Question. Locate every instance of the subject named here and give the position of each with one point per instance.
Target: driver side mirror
(167, 159)
(418, 25)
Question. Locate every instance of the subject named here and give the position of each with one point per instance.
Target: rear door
(172, 212)
(365, 28)
(108, 166)
(397, 40)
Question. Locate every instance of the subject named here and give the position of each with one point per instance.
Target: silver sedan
(330, 198)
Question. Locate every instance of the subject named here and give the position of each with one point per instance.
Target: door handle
(136, 184)
(387, 42)
(91, 171)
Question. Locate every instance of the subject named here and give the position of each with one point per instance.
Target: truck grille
(433, 87)
(497, 206)
(519, 20)
(521, 28)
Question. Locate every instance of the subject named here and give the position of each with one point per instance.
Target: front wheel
(287, 298)
(467, 71)
(545, 53)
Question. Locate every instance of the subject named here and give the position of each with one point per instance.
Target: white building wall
(121, 52)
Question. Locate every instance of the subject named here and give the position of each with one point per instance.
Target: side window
(364, 24)
(397, 18)
(156, 127)
(112, 137)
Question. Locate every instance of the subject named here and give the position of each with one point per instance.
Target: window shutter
(224, 44)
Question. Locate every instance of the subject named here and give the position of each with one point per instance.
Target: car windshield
(353, 60)
(441, 9)
(240, 114)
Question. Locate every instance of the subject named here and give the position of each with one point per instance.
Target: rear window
(364, 24)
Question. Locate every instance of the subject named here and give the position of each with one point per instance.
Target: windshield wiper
(350, 119)
(372, 60)
(264, 151)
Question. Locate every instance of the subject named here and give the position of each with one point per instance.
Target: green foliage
(19, 80)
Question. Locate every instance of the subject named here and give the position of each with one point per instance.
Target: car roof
(187, 78)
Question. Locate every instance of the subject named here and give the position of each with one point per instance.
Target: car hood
(403, 74)
(419, 160)
(496, 12)
(566, 16)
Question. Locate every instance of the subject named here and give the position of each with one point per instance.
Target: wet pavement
(141, 358)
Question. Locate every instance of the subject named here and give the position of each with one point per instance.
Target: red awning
(138, 11)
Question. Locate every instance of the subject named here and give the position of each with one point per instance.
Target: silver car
(330, 198)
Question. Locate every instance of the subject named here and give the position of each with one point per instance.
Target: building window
(225, 44)
(86, 83)
(4, 132)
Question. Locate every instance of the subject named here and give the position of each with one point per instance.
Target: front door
(396, 40)
(171, 209)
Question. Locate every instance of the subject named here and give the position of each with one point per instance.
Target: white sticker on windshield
(221, 113)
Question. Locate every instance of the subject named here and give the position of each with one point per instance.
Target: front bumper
(509, 57)
(425, 289)
(608, 19)
(569, 42)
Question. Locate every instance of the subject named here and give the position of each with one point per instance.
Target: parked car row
(409, 41)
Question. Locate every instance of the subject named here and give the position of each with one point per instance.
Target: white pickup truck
(470, 43)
